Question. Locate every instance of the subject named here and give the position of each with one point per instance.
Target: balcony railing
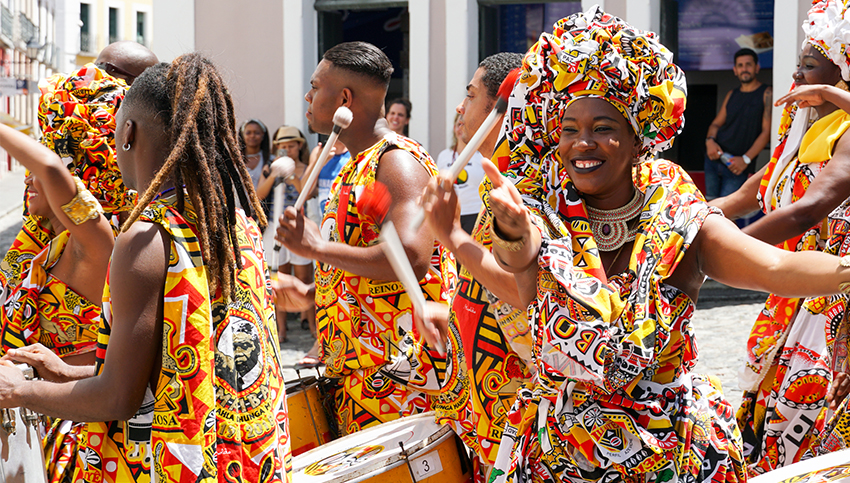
(85, 42)
(6, 22)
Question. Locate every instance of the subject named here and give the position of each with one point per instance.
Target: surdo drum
(411, 449)
(308, 422)
(832, 467)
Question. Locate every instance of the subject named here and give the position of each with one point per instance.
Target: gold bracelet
(83, 206)
(509, 245)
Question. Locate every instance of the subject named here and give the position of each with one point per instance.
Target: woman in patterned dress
(609, 249)
(55, 304)
(188, 384)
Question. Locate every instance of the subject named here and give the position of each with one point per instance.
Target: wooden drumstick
(472, 147)
(342, 119)
(375, 201)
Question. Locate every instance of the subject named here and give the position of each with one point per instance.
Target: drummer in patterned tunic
(382, 368)
(609, 248)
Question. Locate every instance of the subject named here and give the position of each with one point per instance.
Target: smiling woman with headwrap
(609, 249)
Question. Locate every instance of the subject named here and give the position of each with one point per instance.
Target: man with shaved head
(382, 369)
(125, 59)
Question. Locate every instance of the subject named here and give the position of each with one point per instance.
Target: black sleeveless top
(744, 112)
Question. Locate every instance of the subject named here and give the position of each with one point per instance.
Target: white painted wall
(788, 17)
(461, 40)
(299, 58)
(173, 28)
(420, 69)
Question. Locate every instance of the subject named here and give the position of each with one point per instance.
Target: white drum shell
(416, 432)
(812, 470)
(21, 456)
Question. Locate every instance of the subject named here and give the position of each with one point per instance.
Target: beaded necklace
(610, 228)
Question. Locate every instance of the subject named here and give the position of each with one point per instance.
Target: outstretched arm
(742, 201)
(827, 191)
(137, 278)
(441, 213)
(733, 258)
(93, 237)
(512, 222)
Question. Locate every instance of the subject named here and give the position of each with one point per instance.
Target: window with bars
(113, 25)
(85, 27)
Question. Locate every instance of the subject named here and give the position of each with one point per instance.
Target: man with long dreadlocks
(188, 384)
(382, 368)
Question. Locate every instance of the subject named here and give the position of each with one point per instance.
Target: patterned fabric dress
(787, 371)
(384, 369)
(613, 397)
(218, 412)
(42, 308)
(831, 314)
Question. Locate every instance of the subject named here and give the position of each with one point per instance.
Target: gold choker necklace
(610, 228)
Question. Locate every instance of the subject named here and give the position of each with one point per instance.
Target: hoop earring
(126, 147)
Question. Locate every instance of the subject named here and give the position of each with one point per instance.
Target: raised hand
(510, 214)
(442, 211)
(47, 364)
(298, 233)
(805, 96)
(434, 323)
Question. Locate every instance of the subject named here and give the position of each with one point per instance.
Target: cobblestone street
(721, 331)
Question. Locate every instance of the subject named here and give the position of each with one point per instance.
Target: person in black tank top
(739, 132)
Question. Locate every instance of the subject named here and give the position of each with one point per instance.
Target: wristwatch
(711, 138)
(746, 159)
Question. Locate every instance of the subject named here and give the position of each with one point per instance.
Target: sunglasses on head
(116, 71)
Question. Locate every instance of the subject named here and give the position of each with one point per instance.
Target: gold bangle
(508, 245)
(83, 206)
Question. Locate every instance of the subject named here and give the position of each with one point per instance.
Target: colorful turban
(828, 29)
(594, 54)
(76, 114)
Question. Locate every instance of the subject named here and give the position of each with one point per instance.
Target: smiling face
(36, 202)
(814, 68)
(598, 148)
(745, 69)
(397, 117)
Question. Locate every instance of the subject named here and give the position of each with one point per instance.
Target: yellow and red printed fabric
(382, 366)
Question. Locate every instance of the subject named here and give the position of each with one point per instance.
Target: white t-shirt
(467, 183)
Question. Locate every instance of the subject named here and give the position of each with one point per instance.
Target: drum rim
(389, 461)
(398, 460)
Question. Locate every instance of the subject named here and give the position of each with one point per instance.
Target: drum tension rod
(407, 461)
(310, 411)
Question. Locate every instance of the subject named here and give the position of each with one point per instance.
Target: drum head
(823, 469)
(367, 452)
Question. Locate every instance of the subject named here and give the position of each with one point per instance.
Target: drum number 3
(427, 465)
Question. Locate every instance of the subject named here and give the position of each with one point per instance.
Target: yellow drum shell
(308, 423)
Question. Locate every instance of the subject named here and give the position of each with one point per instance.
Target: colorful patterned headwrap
(828, 29)
(594, 54)
(76, 114)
